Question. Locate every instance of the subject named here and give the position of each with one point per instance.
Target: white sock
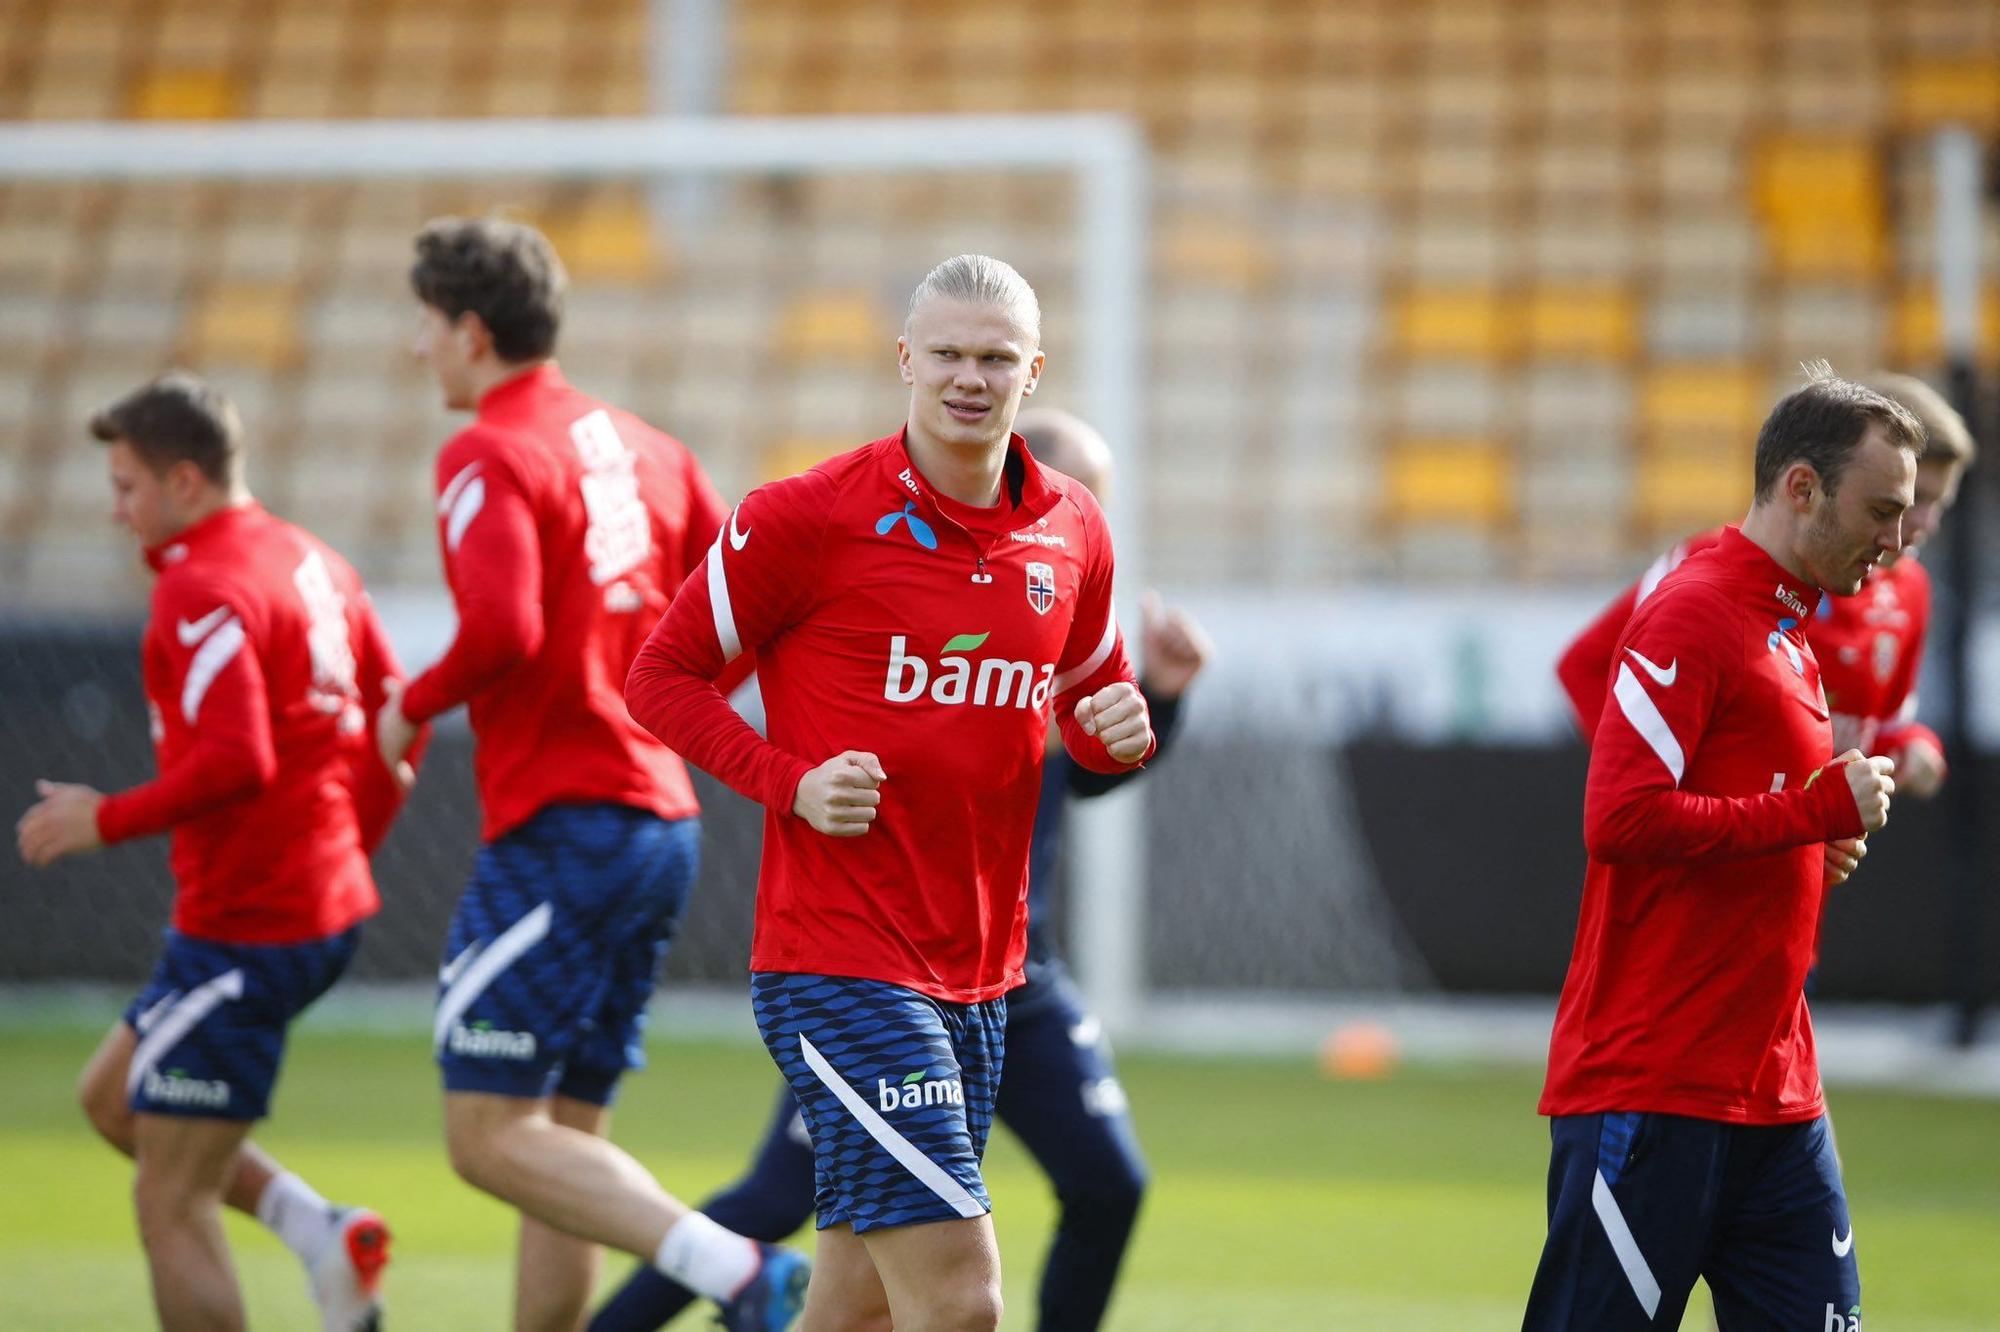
(295, 1214)
(707, 1259)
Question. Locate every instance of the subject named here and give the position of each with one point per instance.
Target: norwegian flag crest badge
(1041, 586)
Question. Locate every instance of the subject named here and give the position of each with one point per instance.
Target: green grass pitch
(1280, 1200)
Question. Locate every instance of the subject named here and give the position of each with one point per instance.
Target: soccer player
(264, 669)
(1060, 1094)
(1870, 645)
(917, 608)
(1687, 1119)
(565, 526)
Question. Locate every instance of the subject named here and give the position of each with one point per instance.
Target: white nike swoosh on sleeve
(193, 631)
(736, 538)
(1664, 676)
(1644, 716)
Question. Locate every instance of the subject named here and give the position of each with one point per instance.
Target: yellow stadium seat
(606, 239)
(1820, 200)
(1830, 245)
(1702, 404)
(184, 94)
(1798, 174)
(1964, 91)
(1582, 323)
(834, 326)
(790, 456)
(1464, 323)
(1681, 492)
(1918, 332)
(253, 324)
(1462, 482)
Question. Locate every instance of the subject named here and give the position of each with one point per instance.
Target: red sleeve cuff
(425, 699)
(114, 819)
(1842, 815)
(784, 792)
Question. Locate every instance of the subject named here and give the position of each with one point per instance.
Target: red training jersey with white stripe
(1870, 648)
(886, 618)
(565, 525)
(1708, 800)
(264, 669)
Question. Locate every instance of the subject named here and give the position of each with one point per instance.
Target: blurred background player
(1059, 1091)
(917, 607)
(565, 526)
(1870, 645)
(1687, 1118)
(265, 668)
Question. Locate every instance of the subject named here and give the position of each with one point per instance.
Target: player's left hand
(395, 733)
(1116, 714)
(62, 823)
(1843, 858)
(1920, 769)
(1176, 647)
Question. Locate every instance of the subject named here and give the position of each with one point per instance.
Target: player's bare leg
(101, 1091)
(555, 1271)
(182, 1166)
(572, 1180)
(846, 1293)
(343, 1249)
(940, 1276)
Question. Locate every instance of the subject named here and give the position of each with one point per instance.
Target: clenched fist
(1116, 714)
(1872, 784)
(1920, 769)
(1176, 646)
(840, 796)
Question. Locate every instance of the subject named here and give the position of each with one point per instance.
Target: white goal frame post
(1105, 156)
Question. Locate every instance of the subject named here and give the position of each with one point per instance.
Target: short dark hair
(505, 272)
(1822, 423)
(176, 418)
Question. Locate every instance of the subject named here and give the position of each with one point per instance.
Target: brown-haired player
(265, 668)
(1870, 645)
(1687, 1122)
(565, 526)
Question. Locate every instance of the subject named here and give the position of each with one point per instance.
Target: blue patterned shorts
(554, 950)
(897, 1091)
(211, 1022)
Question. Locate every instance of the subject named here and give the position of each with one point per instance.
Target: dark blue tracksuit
(1058, 1093)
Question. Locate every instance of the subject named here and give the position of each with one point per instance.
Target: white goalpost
(1104, 156)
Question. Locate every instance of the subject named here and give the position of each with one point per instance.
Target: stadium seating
(1591, 237)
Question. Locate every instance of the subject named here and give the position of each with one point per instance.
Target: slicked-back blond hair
(976, 279)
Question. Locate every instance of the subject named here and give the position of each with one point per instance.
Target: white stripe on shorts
(178, 1021)
(1627, 1248)
(515, 940)
(930, 1172)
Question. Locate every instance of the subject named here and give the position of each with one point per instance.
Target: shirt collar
(177, 547)
(1039, 491)
(542, 377)
(1794, 596)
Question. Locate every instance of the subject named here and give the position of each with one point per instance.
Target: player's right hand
(1871, 782)
(395, 733)
(1843, 857)
(840, 796)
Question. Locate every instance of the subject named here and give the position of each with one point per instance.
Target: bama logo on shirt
(952, 679)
